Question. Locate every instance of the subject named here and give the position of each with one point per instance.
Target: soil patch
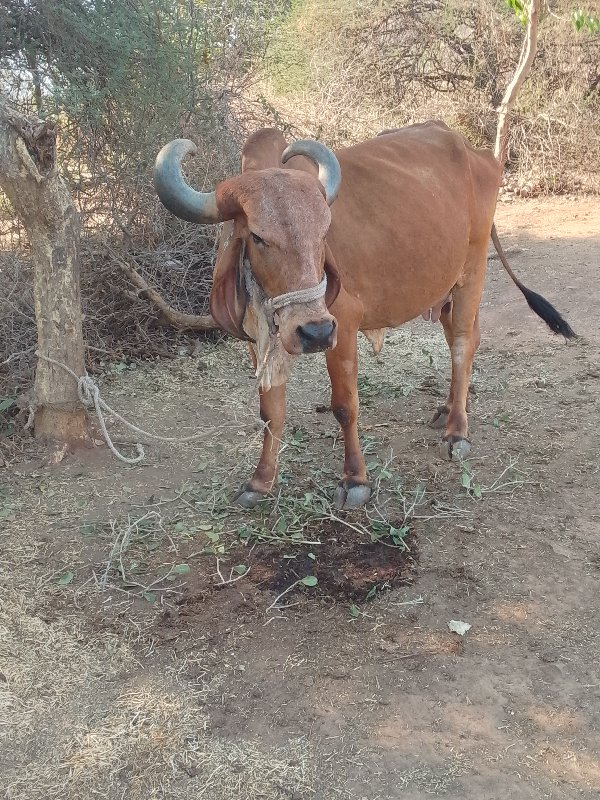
(346, 567)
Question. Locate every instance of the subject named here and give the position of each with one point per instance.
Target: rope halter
(273, 363)
(273, 304)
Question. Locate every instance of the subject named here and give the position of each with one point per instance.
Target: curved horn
(330, 174)
(175, 194)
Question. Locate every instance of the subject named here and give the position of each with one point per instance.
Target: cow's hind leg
(342, 364)
(440, 418)
(272, 413)
(464, 341)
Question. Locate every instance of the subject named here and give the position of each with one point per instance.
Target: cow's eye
(256, 239)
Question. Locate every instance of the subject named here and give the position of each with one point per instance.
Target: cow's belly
(388, 306)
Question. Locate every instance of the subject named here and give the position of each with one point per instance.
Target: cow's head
(275, 225)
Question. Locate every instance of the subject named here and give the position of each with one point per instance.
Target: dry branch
(178, 319)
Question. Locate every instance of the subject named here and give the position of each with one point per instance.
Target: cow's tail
(535, 301)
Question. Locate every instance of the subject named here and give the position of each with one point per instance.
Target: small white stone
(456, 626)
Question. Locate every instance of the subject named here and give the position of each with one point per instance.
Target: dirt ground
(145, 651)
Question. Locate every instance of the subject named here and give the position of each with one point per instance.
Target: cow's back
(410, 203)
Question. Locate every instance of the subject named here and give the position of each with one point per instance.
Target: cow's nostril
(315, 334)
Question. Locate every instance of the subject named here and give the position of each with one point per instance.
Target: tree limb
(178, 319)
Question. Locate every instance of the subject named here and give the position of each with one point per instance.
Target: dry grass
(81, 718)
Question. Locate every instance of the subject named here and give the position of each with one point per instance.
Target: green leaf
(312, 555)
(150, 597)
(179, 527)
(241, 569)
(66, 579)
(281, 525)
(372, 592)
(477, 491)
(583, 21)
(181, 569)
(518, 6)
(6, 404)
(354, 612)
(465, 480)
(88, 529)
(398, 535)
(309, 580)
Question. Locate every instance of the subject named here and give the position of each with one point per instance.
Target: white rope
(299, 296)
(272, 304)
(267, 343)
(89, 395)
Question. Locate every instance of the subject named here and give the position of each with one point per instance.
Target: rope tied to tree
(88, 392)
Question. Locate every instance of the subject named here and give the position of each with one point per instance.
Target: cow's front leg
(342, 364)
(272, 413)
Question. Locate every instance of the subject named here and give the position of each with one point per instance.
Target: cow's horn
(330, 174)
(175, 194)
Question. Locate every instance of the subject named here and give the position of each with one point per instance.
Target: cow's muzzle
(316, 336)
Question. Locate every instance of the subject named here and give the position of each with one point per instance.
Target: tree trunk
(41, 199)
(528, 53)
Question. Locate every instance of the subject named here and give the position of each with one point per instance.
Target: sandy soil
(137, 661)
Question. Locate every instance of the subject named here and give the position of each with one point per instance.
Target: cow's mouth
(311, 337)
(316, 336)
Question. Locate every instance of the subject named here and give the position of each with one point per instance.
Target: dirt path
(145, 679)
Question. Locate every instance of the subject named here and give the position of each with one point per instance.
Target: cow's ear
(228, 296)
(333, 277)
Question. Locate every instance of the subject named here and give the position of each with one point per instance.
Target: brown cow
(407, 235)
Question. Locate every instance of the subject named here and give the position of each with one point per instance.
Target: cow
(318, 245)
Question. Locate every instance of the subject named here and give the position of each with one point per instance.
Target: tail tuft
(547, 312)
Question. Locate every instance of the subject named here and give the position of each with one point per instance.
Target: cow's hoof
(248, 498)
(353, 497)
(455, 448)
(440, 418)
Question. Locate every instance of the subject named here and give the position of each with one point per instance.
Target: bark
(528, 52)
(40, 198)
(37, 82)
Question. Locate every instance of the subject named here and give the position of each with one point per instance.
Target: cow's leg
(342, 364)
(272, 413)
(439, 420)
(465, 341)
